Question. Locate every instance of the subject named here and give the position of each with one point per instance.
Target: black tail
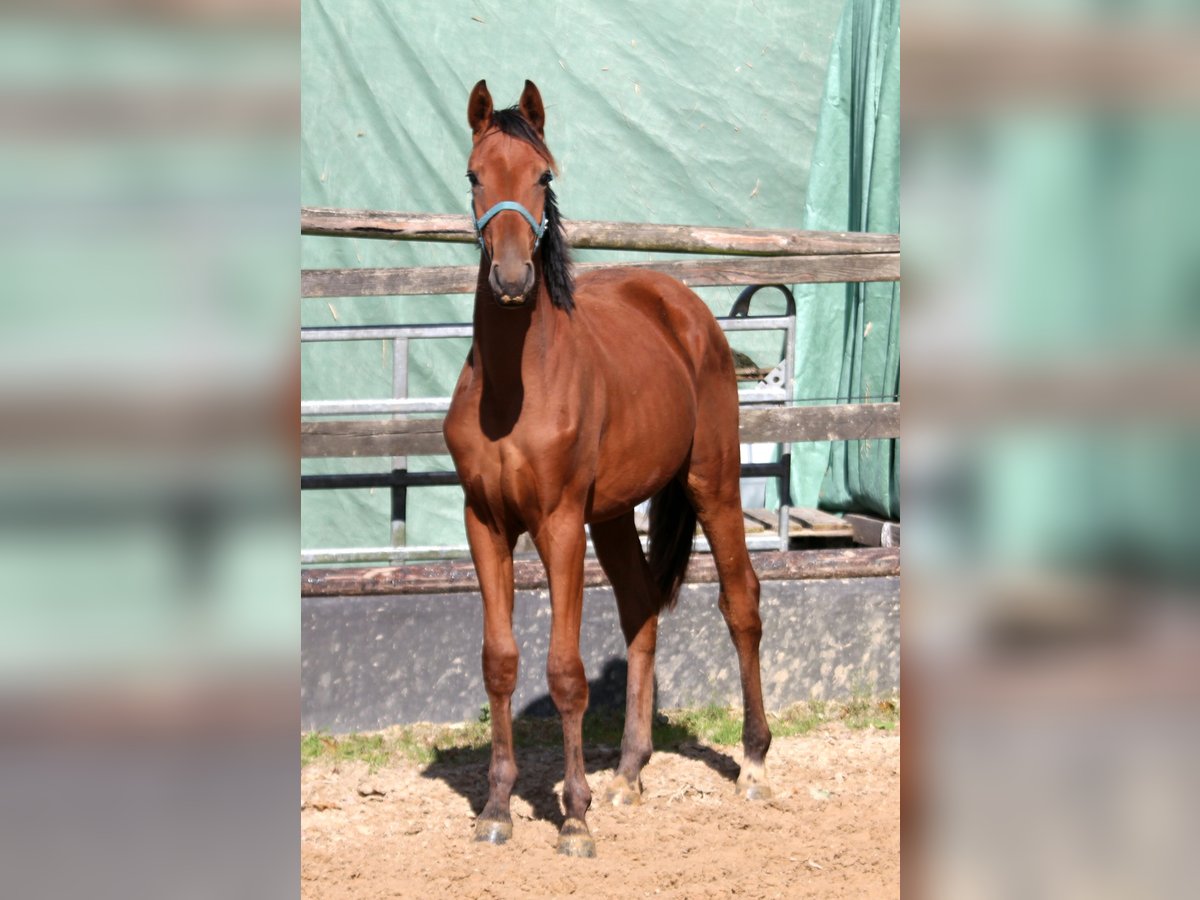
(672, 527)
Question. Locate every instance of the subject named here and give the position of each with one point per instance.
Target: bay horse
(579, 400)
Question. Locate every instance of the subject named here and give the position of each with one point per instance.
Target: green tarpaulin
(848, 344)
(656, 113)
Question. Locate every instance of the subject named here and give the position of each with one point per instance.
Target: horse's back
(667, 374)
(623, 300)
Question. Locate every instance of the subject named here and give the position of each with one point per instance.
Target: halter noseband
(480, 221)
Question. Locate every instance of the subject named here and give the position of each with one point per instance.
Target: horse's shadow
(538, 738)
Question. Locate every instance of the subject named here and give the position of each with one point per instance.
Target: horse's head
(512, 203)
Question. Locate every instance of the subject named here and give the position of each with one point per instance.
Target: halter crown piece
(480, 221)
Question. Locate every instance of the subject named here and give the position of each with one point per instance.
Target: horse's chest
(514, 474)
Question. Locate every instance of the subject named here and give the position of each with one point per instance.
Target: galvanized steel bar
(316, 333)
(374, 407)
(330, 556)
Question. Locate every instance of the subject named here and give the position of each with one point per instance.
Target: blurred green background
(148, 251)
(149, 632)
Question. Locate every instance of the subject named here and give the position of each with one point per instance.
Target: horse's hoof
(752, 782)
(754, 791)
(576, 840)
(621, 793)
(492, 831)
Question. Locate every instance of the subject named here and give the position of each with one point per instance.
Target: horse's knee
(500, 661)
(741, 612)
(740, 585)
(567, 681)
(748, 584)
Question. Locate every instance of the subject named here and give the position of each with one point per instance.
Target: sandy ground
(832, 829)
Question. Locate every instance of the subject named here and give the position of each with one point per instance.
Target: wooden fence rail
(423, 437)
(454, 576)
(366, 282)
(595, 235)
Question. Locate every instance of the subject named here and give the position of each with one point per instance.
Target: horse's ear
(531, 107)
(479, 108)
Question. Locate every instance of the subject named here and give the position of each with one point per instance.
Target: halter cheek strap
(481, 221)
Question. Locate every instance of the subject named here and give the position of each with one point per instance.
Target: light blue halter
(481, 221)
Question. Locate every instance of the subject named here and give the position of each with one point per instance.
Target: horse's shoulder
(456, 429)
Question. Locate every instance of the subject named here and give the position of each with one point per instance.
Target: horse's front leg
(561, 542)
(491, 549)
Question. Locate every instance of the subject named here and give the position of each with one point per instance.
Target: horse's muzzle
(512, 284)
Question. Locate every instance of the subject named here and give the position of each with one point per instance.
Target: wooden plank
(365, 282)
(600, 235)
(891, 534)
(807, 523)
(388, 282)
(399, 437)
(872, 531)
(818, 520)
(757, 521)
(421, 437)
(841, 422)
(459, 575)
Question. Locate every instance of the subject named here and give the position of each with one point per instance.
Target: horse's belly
(613, 498)
(636, 464)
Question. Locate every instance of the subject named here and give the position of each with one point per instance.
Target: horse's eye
(545, 179)
(471, 177)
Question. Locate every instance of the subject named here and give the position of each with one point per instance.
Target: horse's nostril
(513, 282)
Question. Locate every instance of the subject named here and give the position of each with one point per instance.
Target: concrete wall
(370, 662)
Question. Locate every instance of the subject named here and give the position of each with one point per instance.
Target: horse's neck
(513, 347)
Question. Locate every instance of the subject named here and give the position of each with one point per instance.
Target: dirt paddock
(831, 830)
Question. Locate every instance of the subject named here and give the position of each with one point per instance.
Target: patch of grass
(311, 746)
(713, 724)
(862, 711)
(412, 743)
(370, 748)
(800, 718)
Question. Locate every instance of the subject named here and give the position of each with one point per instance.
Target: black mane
(556, 257)
(556, 254)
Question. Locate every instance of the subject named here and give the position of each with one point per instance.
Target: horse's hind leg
(620, 555)
(713, 487)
